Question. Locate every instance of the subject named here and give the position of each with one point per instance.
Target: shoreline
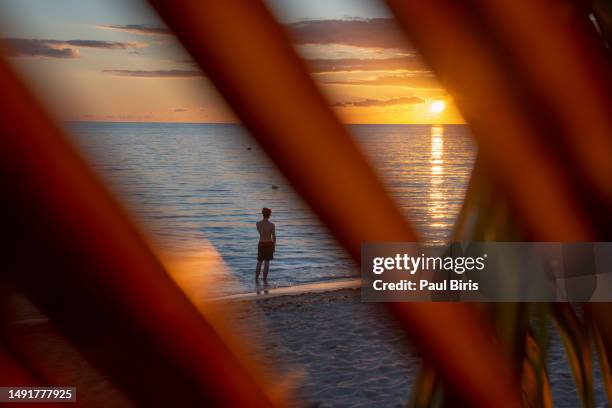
(340, 351)
(266, 292)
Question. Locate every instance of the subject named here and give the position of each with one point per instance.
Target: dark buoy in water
(249, 148)
(274, 187)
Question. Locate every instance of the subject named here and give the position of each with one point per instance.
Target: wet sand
(339, 351)
(351, 354)
(348, 353)
(265, 291)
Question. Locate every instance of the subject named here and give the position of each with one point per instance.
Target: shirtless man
(267, 241)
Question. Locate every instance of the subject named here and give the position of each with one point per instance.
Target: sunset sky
(113, 60)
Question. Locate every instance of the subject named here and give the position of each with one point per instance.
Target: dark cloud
(371, 33)
(374, 33)
(404, 100)
(180, 110)
(20, 47)
(366, 64)
(418, 79)
(140, 29)
(168, 73)
(33, 47)
(98, 44)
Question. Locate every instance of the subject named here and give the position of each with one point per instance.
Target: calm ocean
(194, 183)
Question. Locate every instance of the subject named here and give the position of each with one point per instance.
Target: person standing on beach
(267, 241)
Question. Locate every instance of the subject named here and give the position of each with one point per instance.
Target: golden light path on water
(436, 193)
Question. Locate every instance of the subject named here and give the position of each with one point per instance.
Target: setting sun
(437, 106)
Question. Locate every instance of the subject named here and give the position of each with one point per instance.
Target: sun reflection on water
(436, 193)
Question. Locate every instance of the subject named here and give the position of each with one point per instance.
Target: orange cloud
(413, 80)
(372, 33)
(366, 103)
(365, 64)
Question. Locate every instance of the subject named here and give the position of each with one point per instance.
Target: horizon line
(239, 123)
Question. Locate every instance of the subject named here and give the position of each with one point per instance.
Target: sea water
(200, 187)
(196, 185)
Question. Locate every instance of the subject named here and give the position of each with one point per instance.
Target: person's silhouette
(267, 242)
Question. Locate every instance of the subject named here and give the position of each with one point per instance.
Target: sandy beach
(349, 353)
(341, 352)
(338, 351)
